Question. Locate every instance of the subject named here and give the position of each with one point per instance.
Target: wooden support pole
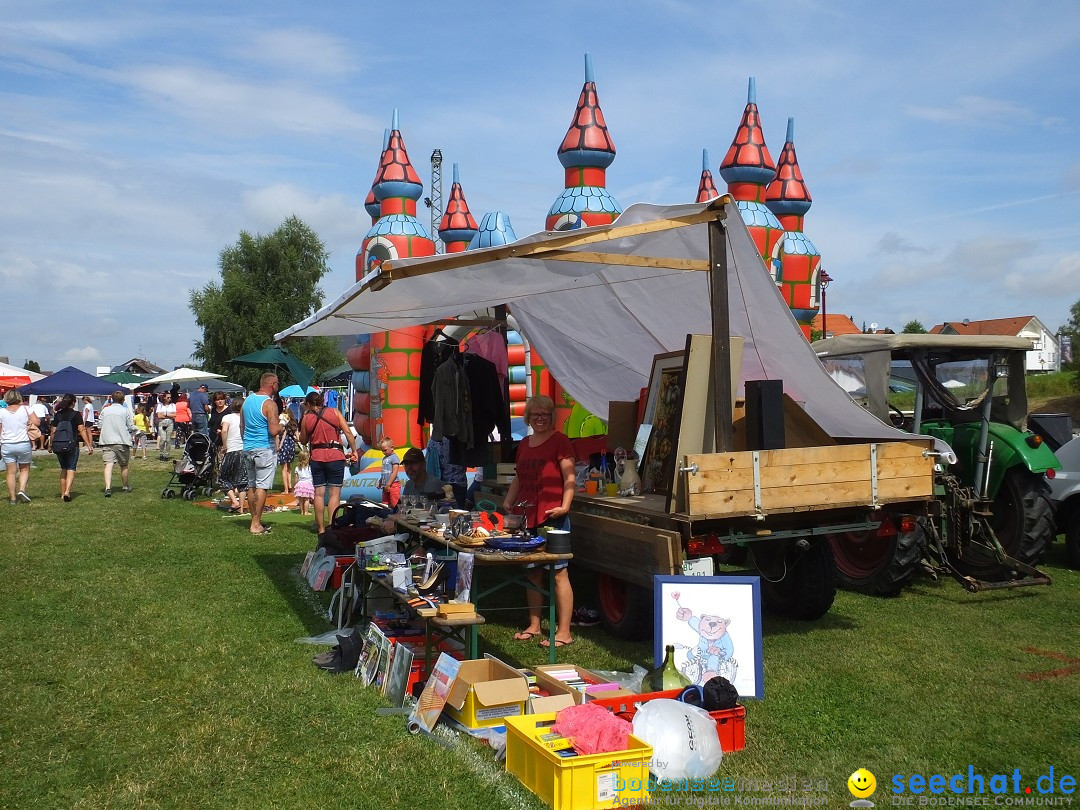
(721, 336)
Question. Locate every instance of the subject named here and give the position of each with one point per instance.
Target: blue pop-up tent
(70, 380)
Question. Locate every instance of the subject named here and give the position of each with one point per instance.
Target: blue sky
(940, 141)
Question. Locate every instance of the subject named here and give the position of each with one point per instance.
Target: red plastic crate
(730, 723)
(340, 564)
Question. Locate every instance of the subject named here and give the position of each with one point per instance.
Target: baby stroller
(196, 470)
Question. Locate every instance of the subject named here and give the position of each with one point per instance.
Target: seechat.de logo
(862, 785)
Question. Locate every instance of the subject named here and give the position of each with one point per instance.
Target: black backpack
(63, 440)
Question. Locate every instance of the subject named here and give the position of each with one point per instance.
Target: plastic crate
(730, 723)
(340, 565)
(583, 782)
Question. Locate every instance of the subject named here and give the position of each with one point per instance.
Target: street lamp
(824, 279)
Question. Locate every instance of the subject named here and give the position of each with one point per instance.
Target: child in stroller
(196, 469)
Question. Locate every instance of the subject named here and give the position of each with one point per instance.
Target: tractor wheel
(626, 609)
(1023, 520)
(879, 566)
(1072, 541)
(808, 587)
(731, 555)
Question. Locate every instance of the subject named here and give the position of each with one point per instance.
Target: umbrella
(185, 374)
(70, 380)
(124, 377)
(274, 357)
(296, 391)
(12, 382)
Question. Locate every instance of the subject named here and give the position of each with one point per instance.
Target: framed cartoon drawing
(714, 624)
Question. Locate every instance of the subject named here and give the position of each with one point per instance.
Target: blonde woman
(542, 490)
(16, 449)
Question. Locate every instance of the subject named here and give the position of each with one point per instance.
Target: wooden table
(510, 569)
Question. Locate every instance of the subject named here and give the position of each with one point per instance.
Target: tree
(1072, 330)
(32, 365)
(913, 328)
(268, 283)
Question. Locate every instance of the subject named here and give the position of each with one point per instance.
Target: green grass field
(149, 660)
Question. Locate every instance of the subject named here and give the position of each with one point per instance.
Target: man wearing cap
(420, 483)
(199, 403)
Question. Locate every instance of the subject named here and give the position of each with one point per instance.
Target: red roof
(996, 326)
(838, 325)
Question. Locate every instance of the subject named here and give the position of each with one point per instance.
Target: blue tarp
(71, 380)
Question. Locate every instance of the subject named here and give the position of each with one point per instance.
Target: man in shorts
(117, 425)
(259, 425)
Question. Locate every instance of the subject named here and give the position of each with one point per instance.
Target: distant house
(138, 365)
(1044, 357)
(838, 325)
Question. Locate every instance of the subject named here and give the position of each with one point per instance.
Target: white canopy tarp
(599, 303)
(8, 370)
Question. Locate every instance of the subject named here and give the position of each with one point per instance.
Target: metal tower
(434, 202)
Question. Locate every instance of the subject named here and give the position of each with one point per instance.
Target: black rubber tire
(168, 493)
(625, 609)
(1072, 541)
(1023, 522)
(732, 555)
(879, 566)
(808, 588)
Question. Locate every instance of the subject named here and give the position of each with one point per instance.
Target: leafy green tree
(268, 283)
(913, 328)
(1072, 329)
(32, 365)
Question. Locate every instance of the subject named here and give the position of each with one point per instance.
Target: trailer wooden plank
(628, 551)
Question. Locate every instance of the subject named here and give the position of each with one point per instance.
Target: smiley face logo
(861, 783)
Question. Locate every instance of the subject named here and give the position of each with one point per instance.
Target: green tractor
(993, 520)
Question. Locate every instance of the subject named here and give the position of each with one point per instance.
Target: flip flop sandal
(265, 530)
(527, 635)
(558, 644)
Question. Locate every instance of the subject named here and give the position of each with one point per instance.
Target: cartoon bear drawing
(714, 644)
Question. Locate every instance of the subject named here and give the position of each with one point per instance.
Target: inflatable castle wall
(772, 198)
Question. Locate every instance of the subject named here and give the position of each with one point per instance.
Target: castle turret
(748, 168)
(789, 198)
(395, 356)
(495, 229)
(585, 154)
(371, 203)
(706, 189)
(457, 226)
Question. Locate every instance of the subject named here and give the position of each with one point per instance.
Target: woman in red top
(322, 428)
(183, 420)
(544, 487)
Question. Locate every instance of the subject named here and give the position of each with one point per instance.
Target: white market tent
(8, 370)
(599, 303)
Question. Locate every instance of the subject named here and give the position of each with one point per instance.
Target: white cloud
(294, 51)
(979, 111)
(85, 354)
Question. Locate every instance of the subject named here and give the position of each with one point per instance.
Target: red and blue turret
(789, 198)
(748, 169)
(706, 189)
(585, 154)
(457, 226)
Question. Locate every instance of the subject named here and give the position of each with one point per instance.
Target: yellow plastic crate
(584, 782)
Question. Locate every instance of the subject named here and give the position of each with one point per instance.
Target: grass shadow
(283, 571)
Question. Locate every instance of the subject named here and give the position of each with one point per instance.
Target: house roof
(138, 365)
(838, 324)
(995, 326)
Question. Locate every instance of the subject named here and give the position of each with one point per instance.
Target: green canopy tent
(276, 357)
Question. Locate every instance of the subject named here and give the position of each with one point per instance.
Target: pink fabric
(491, 346)
(593, 729)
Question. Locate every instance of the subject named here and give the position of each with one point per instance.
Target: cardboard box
(486, 692)
(622, 425)
(558, 688)
(456, 609)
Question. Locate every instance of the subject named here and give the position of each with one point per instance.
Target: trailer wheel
(1072, 541)
(731, 555)
(626, 609)
(808, 587)
(876, 565)
(1023, 520)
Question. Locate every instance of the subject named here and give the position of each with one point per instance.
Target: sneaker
(108, 493)
(22, 496)
(67, 499)
(127, 489)
(585, 617)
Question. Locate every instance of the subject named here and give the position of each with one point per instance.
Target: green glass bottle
(665, 676)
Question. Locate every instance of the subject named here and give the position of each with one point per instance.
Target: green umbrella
(276, 357)
(123, 377)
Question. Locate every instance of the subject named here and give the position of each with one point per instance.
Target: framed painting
(663, 410)
(714, 624)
